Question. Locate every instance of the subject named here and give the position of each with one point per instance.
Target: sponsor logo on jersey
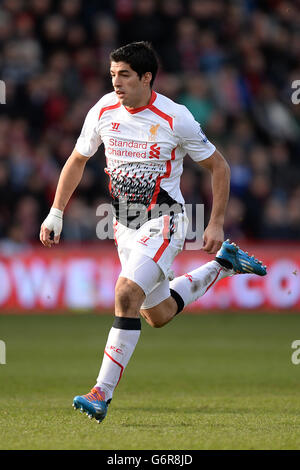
(154, 151)
(127, 149)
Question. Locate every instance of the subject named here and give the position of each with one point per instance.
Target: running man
(146, 136)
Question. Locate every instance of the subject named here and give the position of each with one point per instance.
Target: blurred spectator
(27, 217)
(231, 63)
(230, 91)
(294, 218)
(106, 32)
(259, 161)
(274, 223)
(144, 24)
(80, 223)
(196, 98)
(212, 57)
(169, 84)
(240, 171)
(234, 221)
(15, 241)
(255, 200)
(273, 117)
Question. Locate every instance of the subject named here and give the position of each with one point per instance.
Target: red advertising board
(69, 278)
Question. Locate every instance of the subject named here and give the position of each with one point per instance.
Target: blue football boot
(241, 262)
(93, 404)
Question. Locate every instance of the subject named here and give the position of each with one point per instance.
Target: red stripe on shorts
(166, 239)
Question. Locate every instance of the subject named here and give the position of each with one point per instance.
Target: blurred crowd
(232, 63)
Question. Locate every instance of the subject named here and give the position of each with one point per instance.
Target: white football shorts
(146, 254)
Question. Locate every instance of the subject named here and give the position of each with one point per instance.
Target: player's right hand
(52, 223)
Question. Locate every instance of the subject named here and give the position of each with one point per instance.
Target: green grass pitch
(201, 382)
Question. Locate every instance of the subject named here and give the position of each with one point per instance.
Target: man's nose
(117, 81)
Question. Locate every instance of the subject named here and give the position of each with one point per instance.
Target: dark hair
(140, 56)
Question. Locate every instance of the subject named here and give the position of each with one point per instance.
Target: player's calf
(161, 314)
(230, 260)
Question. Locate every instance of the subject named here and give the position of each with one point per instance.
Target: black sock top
(124, 323)
(224, 262)
(178, 299)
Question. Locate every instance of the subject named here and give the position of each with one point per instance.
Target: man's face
(131, 90)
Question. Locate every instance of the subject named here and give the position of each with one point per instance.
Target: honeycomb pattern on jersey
(133, 182)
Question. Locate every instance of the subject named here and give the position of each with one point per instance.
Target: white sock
(191, 286)
(121, 342)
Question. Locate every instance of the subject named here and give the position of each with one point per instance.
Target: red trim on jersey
(152, 108)
(115, 231)
(163, 115)
(109, 184)
(122, 368)
(166, 238)
(138, 110)
(107, 172)
(214, 279)
(107, 108)
(165, 175)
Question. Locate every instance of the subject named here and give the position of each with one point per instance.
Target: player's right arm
(69, 179)
(71, 174)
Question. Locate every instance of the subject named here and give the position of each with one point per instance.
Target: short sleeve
(191, 137)
(89, 140)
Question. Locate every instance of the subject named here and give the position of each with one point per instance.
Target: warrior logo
(115, 126)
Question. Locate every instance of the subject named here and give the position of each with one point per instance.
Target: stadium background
(232, 63)
(204, 381)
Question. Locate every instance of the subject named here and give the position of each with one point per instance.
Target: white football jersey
(144, 147)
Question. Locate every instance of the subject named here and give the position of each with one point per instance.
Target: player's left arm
(213, 236)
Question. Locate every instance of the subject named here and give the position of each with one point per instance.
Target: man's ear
(147, 77)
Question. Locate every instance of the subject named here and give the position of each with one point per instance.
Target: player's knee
(128, 295)
(123, 299)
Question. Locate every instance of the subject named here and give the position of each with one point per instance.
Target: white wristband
(56, 212)
(54, 221)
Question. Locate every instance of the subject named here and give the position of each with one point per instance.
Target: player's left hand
(213, 238)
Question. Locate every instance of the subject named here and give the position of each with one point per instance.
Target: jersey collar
(138, 110)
